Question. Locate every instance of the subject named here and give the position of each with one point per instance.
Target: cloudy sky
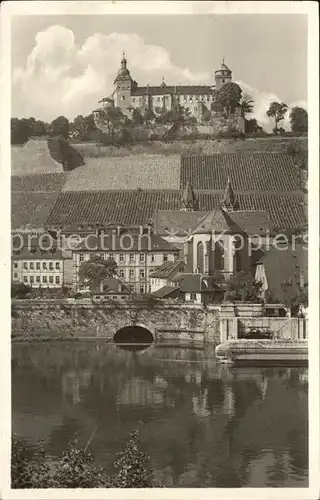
(62, 65)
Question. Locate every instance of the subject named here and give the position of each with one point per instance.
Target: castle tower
(188, 200)
(122, 83)
(223, 75)
(229, 199)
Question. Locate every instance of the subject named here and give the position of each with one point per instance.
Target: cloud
(63, 78)
(262, 101)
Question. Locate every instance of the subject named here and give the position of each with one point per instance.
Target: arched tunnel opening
(133, 337)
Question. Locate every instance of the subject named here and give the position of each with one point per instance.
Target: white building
(38, 268)
(136, 255)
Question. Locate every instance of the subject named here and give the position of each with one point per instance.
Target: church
(128, 95)
(216, 240)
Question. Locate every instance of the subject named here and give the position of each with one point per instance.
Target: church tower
(223, 75)
(229, 199)
(122, 83)
(189, 201)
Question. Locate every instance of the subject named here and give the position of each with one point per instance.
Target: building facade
(136, 255)
(38, 268)
(128, 95)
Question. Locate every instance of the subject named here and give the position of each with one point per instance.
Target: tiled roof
(165, 291)
(167, 268)
(138, 207)
(125, 242)
(218, 220)
(36, 254)
(173, 89)
(179, 222)
(252, 222)
(282, 266)
(247, 172)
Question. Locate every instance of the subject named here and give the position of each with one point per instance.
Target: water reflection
(204, 424)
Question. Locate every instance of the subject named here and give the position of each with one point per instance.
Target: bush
(20, 291)
(134, 466)
(231, 133)
(76, 468)
(242, 287)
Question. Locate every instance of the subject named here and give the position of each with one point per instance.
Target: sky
(63, 65)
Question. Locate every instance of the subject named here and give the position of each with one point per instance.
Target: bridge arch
(135, 333)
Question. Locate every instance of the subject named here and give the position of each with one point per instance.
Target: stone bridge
(62, 319)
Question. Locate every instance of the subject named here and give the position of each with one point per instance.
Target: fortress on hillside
(128, 96)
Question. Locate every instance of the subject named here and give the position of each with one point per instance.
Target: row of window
(181, 98)
(122, 257)
(37, 279)
(37, 265)
(132, 274)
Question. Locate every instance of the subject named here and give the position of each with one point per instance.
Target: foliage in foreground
(76, 468)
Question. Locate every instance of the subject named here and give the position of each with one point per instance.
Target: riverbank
(263, 352)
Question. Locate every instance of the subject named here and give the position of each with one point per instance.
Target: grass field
(214, 146)
(33, 158)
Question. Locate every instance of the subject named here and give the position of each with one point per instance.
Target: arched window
(237, 255)
(200, 256)
(218, 256)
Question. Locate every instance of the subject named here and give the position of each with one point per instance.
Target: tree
(246, 105)
(93, 271)
(228, 97)
(252, 126)
(177, 115)
(21, 130)
(148, 116)
(137, 118)
(112, 121)
(243, 287)
(298, 119)
(277, 111)
(60, 126)
(39, 128)
(82, 127)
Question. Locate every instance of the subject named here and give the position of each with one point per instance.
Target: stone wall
(222, 124)
(53, 320)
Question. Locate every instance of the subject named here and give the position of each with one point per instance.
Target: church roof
(176, 222)
(219, 221)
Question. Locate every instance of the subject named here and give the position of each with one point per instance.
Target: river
(204, 424)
